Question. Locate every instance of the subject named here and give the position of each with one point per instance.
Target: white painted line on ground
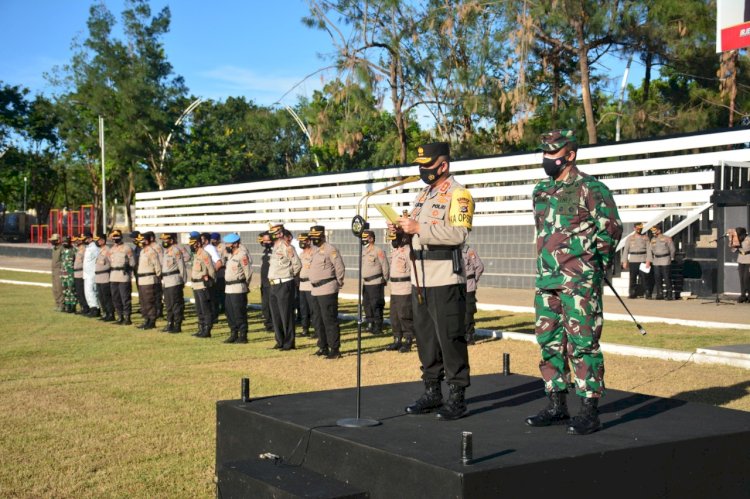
(12, 269)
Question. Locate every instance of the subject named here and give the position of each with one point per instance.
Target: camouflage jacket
(577, 231)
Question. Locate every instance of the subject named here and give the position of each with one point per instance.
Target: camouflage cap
(557, 139)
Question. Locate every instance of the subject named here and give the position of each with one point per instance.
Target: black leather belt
(372, 277)
(229, 283)
(174, 272)
(147, 274)
(433, 254)
(323, 282)
(117, 268)
(637, 253)
(662, 256)
(471, 276)
(101, 272)
(400, 279)
(304, 279)
(196, 280)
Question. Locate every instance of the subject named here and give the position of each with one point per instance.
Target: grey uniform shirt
(78, 262)
(202, 267)
(238, 273)
(374, 263)
(173, 271)
(121, 261)
(474, 268)
(304, 274)
(326, 264)
(743, 252)
(636, 248)
(431, 210)
(284, 262)
(660, 251)
(149, 263)
(401, 271)
(102, 266)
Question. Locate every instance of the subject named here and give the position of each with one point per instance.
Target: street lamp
(24, 193)
(104, 185)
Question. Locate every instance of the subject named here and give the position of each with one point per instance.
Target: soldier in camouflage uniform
(67, 259)
(659, 256)
(577, 231)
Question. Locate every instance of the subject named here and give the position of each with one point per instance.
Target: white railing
(679, 181)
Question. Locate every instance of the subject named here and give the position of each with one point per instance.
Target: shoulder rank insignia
(462, 208)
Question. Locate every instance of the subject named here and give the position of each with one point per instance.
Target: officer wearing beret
(122, 266)
(440, 222)
(238, 275)
(327, 277)
(375, 273)
(577, 231)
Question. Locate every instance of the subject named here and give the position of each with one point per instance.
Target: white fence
(676, 177)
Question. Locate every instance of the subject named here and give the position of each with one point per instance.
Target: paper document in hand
(644, 268)
(387, 212)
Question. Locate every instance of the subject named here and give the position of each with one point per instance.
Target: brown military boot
(556, 411)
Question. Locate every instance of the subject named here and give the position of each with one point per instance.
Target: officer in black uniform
(265, 286)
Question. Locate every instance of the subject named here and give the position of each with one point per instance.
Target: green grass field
(98, 410)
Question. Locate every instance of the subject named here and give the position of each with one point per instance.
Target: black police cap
(428, 153)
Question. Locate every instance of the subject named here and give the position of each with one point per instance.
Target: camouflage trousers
(568, 327)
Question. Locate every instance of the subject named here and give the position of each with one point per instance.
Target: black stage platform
(649, 447)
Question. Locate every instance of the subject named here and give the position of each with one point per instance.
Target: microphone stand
(359, 225)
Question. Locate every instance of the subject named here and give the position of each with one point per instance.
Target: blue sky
(256, 48)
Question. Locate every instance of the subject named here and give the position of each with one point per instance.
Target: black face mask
(553, 166)
(117, 240)
(317, 242)
(165, 244)
(429, 175)
(267, 245)
(228, 249)
(365, 242)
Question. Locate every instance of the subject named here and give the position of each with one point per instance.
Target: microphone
(720, 237)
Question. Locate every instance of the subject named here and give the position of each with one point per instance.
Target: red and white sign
(732, 24)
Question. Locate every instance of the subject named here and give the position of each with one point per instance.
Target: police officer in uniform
(149, 272)
(173, 275)
(238, 274)
(632, 258)
(220, 282)
(57, 289)
(304, 286)
(375, 274)
(659, 256)
(577, 231)
(284, 265)
(122, 263)
(78, 274)
(402, 323)
(327, 277)
(101, 278)
(440, 222)
(474, 269)
(265, 288)
(202, 276)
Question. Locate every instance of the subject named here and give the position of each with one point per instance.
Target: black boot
(127, 322)
(149, 324)
(431, 399)
(322, 352)
(241, 337)
(395, 345)
(199, 333)
(470, 339)
(168, 328)
(93, 312)
(587, 420)
(232, 337)
(378, 327)
(109, 318)
(406, 346)
(556, 411)
(455, 406)
(335, 354)
(176, 327)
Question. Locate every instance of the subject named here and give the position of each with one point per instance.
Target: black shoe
(168, 328)
(648, 297)
(405, 346)
(587, 420)
(286, 349)
(470, 339)
(431, 399)
(455, 406)
(242, 338)
(276, 347)
(232, 338)
(149, 324)
(394, 346)
(109, 318)
(556, 411)
(127, 322)
(322, 352)
(198, 333)
(176, 328)
(335, 354)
